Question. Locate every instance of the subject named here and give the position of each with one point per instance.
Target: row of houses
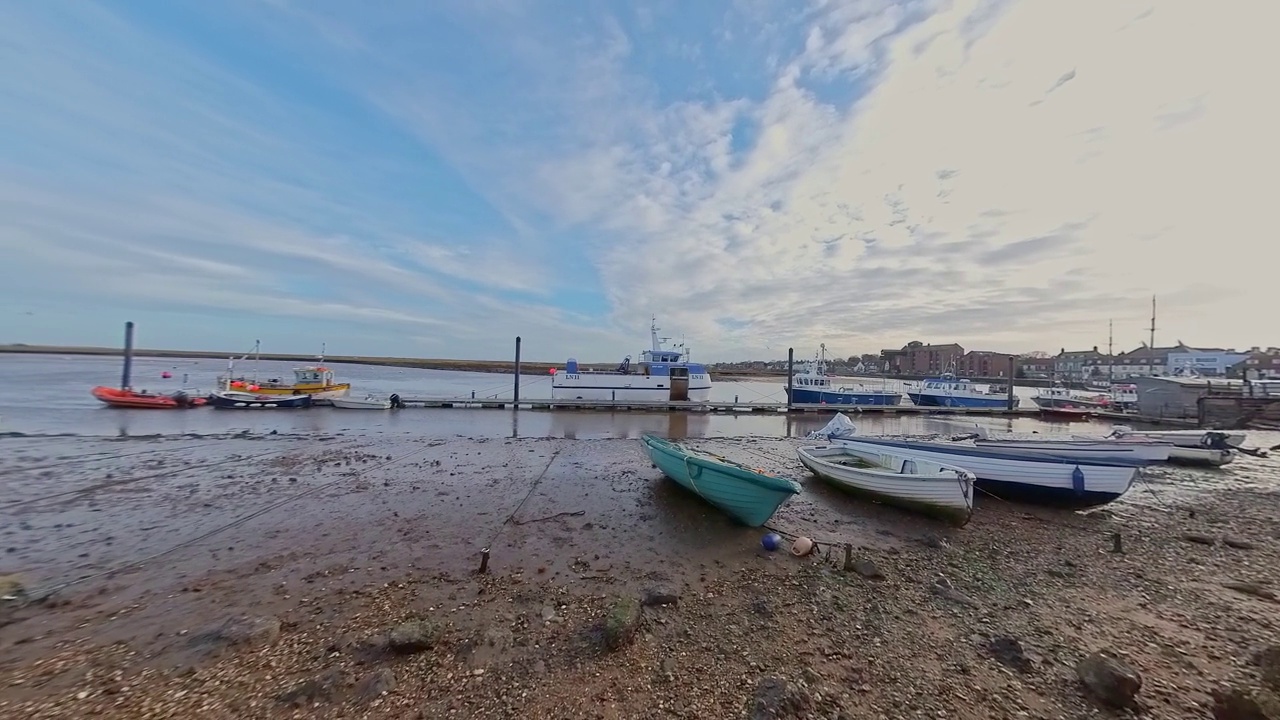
(917, 358)
(1179, 361)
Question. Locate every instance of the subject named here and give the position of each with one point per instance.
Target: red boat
(116, 397)
(1067, 412)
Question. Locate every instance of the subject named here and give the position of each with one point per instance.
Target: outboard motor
(396, 402)
(181, 398)
(1215, 441)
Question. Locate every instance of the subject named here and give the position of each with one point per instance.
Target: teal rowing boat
(749, 496)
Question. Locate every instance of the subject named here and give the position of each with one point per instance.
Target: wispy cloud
(437, 179)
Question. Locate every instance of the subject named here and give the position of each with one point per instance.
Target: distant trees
(1037, 354)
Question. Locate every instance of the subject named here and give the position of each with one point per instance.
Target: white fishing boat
(1085, 448)
(898, 479)
(368, 402)
(1212, 451)
(1036, 477)
(662, 375)
(951, 391)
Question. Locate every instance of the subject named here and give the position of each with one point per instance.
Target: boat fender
(1077, 480)
(802, 546)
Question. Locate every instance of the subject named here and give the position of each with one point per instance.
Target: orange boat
(116, 397)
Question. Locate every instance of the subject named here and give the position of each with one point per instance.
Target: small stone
(867, 569)
(548, 613)
(412, 636)
(776, 699)
(622, 622)
(374, 685)
(1008, 652)
(321, 688)
(942, 588)
(660, 597)
(1241, 704)
(1238, 543)
(1251, 588)
(1109, 679)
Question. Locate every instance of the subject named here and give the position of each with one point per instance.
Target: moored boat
(813, 385)
(1007, 474)
(662, 375)
(1182, 438)
(1058, 397)
(950, 391)
(899, 479)
(1085, 449)
(367, 403)
(233, 400)
(124, 398)
(315, 380)
(748, 495)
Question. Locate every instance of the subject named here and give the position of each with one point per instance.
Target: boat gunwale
(953, 515)
(727, 467)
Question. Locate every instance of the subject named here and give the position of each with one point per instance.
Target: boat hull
(1180, 438)
(945, 492)
(1058, 403)
(870, 398)
(245, 401)
(924, 399)
(747, 496)
(1096, 450)
(361, 403)
(115, 397)
(1038, 478)
(617, 387)
(317, 392)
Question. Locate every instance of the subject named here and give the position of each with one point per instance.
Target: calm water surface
(49, 394)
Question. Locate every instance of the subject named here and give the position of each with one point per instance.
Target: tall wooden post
(791, 366)
(128, 356)
(1012, 376)
(515, 393)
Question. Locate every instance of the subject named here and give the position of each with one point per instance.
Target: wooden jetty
(696, 406)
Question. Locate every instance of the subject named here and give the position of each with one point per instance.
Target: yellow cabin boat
(314, 380)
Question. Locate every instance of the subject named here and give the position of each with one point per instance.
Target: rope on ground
(575, 513)
(44, 595)
(511, 519)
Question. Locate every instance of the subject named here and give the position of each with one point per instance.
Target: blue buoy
(771, 542)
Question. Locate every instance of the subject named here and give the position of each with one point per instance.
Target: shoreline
(498, 367)
(274, 576)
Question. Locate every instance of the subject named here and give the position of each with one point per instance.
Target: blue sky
(432, 179)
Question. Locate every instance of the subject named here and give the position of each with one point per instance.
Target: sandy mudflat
(340, 540)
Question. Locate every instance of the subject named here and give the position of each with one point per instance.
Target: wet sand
(324, 544)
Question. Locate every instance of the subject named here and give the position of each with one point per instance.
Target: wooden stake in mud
(1117, 545)
(848, 557)
(484, 561)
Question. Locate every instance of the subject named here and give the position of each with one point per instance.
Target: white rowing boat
(369, 402)
(903, 480)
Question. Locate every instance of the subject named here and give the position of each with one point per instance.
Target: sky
(433, 179)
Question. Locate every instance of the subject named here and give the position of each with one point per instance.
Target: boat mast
(257, 353)
(1151, 349)
(1111, 361)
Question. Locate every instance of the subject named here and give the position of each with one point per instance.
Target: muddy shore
(276, 576)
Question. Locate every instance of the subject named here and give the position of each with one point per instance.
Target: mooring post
(791, 366)
(128, 356)
(1012, 376)
(515, 394)
(484, 561)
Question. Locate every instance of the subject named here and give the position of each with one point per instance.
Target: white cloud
(1017, 175)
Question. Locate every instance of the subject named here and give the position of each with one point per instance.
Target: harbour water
(49, 394)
